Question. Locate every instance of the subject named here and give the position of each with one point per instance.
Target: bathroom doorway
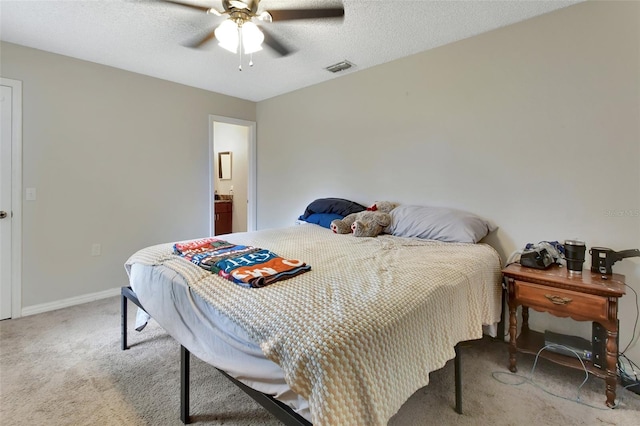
(232, 172)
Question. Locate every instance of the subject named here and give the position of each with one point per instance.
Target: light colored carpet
(66, 368)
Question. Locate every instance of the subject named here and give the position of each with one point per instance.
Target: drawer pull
(558, 300)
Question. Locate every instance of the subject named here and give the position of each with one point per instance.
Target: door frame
(251, 169)
(16, 195)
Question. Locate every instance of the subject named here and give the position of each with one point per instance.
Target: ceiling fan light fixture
(239, 35)
(230, 33)
(252, 37)
(227, 36)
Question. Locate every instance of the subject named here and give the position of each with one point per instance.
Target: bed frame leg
(126, 293)
(458, 373)
(185, 362)
(503, 299)
(123, 321)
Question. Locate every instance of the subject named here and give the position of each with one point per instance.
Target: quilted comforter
(359, 333)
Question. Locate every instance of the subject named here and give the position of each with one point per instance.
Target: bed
(347, 342)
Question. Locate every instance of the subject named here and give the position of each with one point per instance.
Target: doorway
(232, 175)
(10, 198)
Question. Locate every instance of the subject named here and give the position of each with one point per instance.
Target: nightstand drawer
(563, 302)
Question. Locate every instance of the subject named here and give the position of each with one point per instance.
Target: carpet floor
(66, 368)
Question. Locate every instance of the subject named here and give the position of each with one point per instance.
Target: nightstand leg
(513, 326)
(525, 319)
(612, 360)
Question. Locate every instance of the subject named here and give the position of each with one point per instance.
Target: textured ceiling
(146, 37)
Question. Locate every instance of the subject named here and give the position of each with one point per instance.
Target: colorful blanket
(260, 268)
(247, 266)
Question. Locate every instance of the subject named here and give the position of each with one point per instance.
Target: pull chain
(240, 50)
(240, 46)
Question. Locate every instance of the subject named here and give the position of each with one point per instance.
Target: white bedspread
(359, 333)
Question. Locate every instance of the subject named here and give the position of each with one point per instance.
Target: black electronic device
(599, 344)
(603, 258)
(538, 258)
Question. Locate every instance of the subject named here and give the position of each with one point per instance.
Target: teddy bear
(368, 223)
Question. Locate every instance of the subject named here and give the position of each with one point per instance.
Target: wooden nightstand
(583, 297)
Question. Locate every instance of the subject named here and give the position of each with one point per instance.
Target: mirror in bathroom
(224, 165)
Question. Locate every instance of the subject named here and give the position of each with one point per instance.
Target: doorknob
(3, 214)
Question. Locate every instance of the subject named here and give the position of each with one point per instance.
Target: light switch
(96, 249)
(31, 194)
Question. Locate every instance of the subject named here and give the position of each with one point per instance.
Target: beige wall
(117, 158)
(535, 126)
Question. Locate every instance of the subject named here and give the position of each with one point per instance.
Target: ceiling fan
(239, 34)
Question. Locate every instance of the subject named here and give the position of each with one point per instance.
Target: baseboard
(72, 301)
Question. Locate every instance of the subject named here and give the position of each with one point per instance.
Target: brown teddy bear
(368, 223)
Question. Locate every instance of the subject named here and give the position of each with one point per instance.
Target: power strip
(633, 385)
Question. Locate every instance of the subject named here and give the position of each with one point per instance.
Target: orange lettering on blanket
(271, 267)
(293, 262)
(258, 272)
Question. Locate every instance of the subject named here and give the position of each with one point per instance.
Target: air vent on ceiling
(340, 66)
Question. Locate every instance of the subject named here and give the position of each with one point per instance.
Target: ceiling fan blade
(290, 14)
(200, 41)
(274, 43)
(192, 6)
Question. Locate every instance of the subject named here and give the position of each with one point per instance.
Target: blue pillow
(338, 206)
(322, 219)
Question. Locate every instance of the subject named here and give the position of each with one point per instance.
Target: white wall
(535, 126)
(117, 158)
(235, 139)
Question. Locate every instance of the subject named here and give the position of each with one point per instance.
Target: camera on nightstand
(538, 258)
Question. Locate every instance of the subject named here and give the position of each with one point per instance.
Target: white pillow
(438, 223)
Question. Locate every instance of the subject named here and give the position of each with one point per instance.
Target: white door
(5, 201)
(10, 198)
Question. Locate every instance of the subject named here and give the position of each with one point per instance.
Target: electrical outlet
(96, 249)
(30, 194)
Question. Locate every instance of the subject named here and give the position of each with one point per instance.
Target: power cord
(634, 338)
(633, 365)
(629, 382)
(530, 380)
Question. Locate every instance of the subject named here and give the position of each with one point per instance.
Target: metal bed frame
(280, 410)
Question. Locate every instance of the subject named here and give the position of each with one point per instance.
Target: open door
(232, 175)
